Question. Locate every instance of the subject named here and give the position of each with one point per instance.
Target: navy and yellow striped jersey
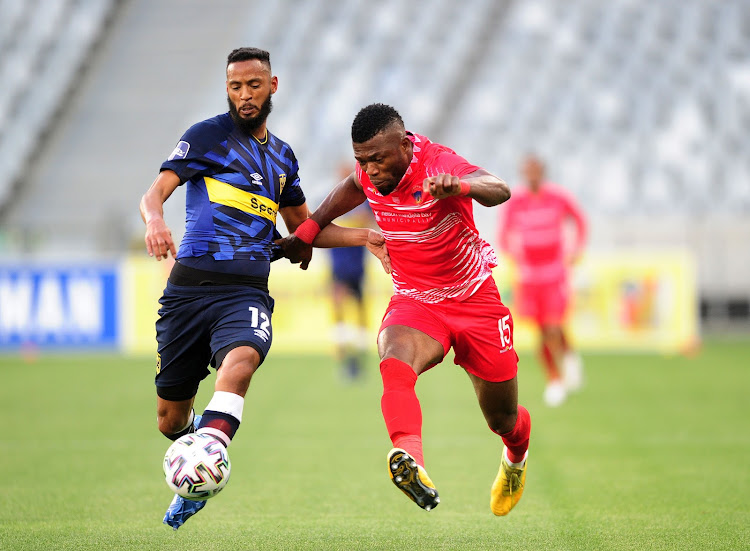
(235, 187)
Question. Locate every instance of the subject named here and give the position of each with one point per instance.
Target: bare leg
(173, 416)
(411, 346)
(235, 372)
(498, 402)
(553, 347)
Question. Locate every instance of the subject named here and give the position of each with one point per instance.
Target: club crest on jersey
(180, 152)
(417, 197)
(282, 182)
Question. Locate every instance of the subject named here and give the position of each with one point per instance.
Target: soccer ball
(196, 466)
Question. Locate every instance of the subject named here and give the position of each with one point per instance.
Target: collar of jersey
(264, 141)
(416, 141)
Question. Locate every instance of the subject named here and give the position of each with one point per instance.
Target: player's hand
(376, 245)
(158, 239)
(296, 250)
(442, 186)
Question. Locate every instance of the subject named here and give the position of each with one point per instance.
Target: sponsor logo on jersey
(226, 194)
(180, 152)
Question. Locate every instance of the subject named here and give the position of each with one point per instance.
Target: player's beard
(248, 126)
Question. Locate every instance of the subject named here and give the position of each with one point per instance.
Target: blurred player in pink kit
(532, 232)
(422, 195)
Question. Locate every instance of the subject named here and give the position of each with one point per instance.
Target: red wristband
(465, 188)
(307, 231)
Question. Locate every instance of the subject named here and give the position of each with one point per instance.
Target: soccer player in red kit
(444, 296)
(532, 232)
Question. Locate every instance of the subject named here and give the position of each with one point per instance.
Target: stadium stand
(43, 45)
(640, 108)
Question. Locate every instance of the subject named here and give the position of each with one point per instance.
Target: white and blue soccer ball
(196, 466)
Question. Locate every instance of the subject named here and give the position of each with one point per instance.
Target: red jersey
(435, 249)
(532, 232)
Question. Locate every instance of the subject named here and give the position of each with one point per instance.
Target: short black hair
(372, 120)
(246, 54)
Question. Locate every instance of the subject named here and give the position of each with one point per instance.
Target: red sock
(412, 444)
(550, 364)
(517, 440)
(401, 411)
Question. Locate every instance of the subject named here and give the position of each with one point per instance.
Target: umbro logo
(257, 178)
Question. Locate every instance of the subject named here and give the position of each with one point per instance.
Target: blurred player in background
(532, 232)
(349, 305)
(421, 194)
(216, 308)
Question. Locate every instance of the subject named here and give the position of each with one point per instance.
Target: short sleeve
(292, 194)
(191, 156)
(453, 163)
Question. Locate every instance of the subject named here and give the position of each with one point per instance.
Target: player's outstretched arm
(482, 186)
(337, 236)
(346, 196)
(158, 238)
(297, 246)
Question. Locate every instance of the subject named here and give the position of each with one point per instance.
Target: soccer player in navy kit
(350, 335)
(350, 332)
(216, 308)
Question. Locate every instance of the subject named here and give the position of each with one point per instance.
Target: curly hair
(372, 120)
(246, 54)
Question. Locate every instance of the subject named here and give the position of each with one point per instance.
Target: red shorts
(545, 303)
(480, 330)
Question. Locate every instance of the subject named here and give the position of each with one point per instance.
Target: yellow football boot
(412, 479)
(508, 487)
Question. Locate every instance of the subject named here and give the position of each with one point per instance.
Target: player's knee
(171, 422)
(503, 422)
(551, 333)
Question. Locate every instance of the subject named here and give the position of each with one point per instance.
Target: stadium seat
(49, 40)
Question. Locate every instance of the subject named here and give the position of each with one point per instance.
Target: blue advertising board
(58, 306)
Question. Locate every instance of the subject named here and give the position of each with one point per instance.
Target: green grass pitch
(653, 454)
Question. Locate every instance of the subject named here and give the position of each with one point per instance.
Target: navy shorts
(198, 326)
